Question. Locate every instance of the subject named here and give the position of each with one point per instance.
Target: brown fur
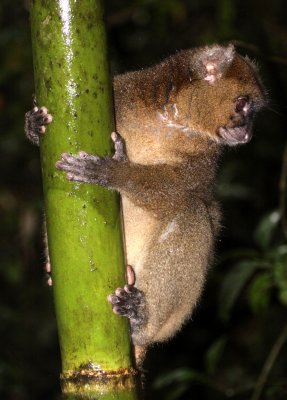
(169, 117)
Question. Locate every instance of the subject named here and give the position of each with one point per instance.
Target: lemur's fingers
(36, 121)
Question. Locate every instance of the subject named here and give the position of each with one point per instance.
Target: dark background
(240, 324)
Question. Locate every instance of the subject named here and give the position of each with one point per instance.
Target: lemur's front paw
(90, 168)
(128, 302)
(36, 121)
(86, 168)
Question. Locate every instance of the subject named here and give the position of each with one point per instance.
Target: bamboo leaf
(265, 230)
(280, 279)
(214, 354)
(233, 284)
(259, 292)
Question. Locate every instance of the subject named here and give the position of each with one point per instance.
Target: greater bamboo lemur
(173, 120)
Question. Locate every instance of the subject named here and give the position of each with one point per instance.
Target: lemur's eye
(241, 103)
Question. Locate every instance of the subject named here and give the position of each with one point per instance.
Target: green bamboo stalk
(83, 221)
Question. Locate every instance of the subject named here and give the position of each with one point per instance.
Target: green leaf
(277, 253)
(280, 279)
(178, 375)
(214, 354)
(233, 285)
(265, 230)
(180, 380)
(283, 297)
(259, 292)
(280, 274)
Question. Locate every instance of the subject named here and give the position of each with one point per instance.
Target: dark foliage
(234, 347)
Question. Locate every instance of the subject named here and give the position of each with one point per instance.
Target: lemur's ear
(210, 62)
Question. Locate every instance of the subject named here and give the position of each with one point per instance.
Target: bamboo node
(93, 378)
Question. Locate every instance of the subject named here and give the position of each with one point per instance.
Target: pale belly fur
(139, 227)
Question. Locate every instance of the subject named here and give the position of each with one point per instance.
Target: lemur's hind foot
(129, 301)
